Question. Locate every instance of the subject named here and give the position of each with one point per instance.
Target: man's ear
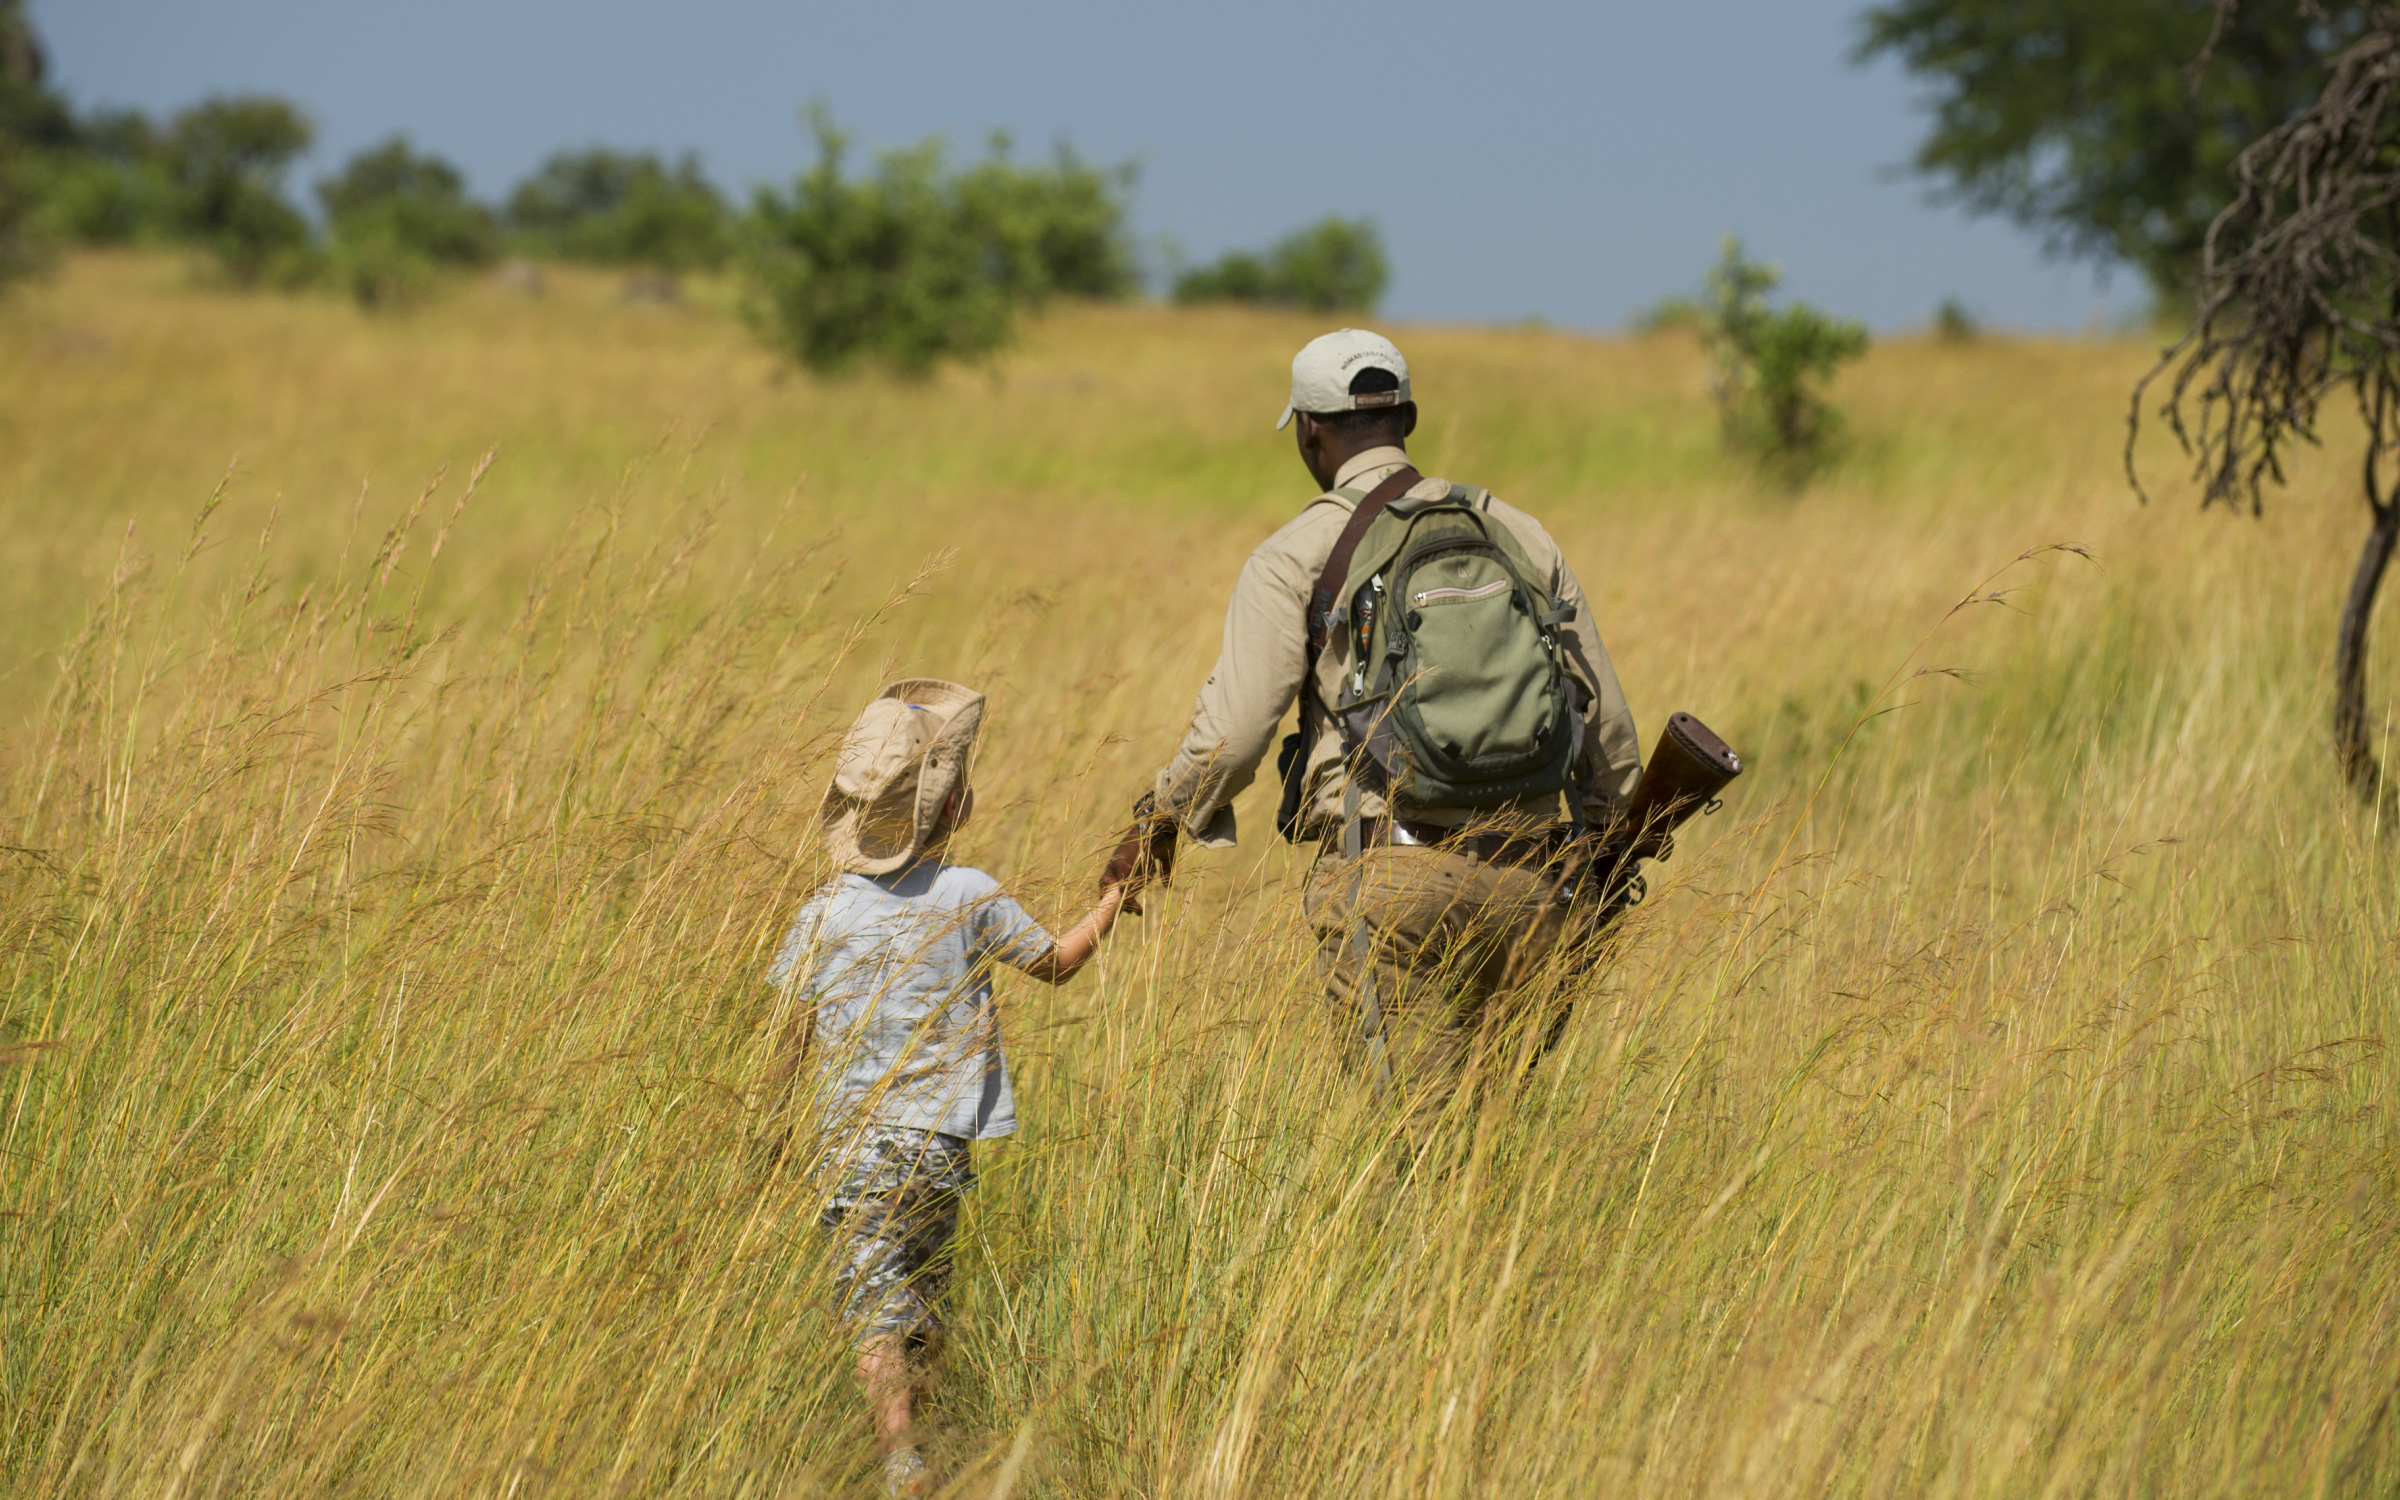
(1408, 420)
(1309, 436)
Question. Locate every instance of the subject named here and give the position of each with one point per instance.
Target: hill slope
(1992, 1101)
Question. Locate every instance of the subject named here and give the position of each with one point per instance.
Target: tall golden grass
(1994, 1101)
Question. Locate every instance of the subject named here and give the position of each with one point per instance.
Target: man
(1420, 911)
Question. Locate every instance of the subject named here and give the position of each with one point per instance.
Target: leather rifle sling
(1337, 562)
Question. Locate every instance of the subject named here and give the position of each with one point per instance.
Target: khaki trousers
(1450, 938)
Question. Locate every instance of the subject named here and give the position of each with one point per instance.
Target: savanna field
(1996, 1099)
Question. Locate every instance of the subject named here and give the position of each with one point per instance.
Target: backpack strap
(1317, 628)
(1337, 562)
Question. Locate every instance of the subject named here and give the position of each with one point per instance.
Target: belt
(1490, 845)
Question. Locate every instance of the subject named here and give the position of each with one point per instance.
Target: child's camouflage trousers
(892, 1210)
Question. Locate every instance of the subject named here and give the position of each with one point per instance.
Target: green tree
(32, 115)
(417, 198)
(21, 248)
(114, 186)
(1333, 265)
(2297, 302)
(1956, 323)
(623, 208)
(1770, 362)
(914, 264)
(212, 177)
(224, 161)
(2083, 118)
(1059, 230)
(397, 216)
(1235, 276)
(32, 119)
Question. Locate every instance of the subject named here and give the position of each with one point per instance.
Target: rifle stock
(1686, 772)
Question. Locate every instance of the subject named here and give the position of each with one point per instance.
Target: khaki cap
(899, 763)
(1324, 367)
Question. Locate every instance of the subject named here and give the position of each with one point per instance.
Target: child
(892, 963)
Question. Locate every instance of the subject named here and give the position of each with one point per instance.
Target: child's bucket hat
(899, 763)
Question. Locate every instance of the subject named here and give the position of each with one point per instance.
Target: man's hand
(1146, 854)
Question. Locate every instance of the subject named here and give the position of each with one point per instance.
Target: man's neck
(1367, 461)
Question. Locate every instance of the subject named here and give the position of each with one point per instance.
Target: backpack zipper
(1447, 592)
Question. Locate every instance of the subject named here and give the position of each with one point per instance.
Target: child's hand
(1146, 853)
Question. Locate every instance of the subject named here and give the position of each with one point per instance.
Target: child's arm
(1082, 940)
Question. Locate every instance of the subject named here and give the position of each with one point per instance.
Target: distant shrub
(619, 208)
(114, 186)
(396, 217)
(1670, 314)
(1954, 324)
(1235, 276)
(1057, 230)
(212, 177)
(915, 264)
(843, 270)
(417, 199)
(32, 115)
(1771, 361)
(1334, 265)
(23, 249)
(375, 265)
(224, 161)
(32, 120)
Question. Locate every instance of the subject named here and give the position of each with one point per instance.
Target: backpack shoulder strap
(1337, 562)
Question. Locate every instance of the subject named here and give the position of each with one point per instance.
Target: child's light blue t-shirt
(899, 971)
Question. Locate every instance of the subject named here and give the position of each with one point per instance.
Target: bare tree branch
(2298, 297)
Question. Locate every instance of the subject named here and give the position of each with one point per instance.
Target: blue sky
(1567, 162)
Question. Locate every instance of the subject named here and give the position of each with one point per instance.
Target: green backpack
(1457, 693)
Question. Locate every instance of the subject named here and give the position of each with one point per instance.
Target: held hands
(1146, 854)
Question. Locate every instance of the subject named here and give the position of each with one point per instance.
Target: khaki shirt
(1266, 651)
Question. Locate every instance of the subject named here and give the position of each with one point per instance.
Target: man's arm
(1257, 676)
(1612, 748)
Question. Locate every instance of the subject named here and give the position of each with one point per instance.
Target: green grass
(1994, 1101)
